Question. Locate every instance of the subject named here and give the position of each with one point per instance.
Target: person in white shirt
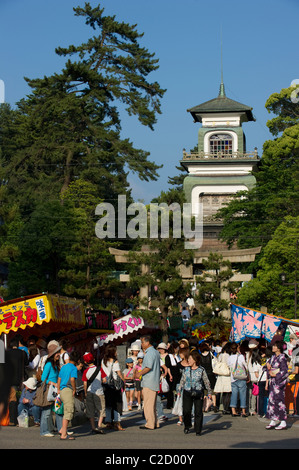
(236, 362)
(93, 377)
(114, 403)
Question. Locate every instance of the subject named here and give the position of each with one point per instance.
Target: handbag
(164, 386)
(221, 368)
(41, 396)
(196, 393)
(52, 393)
(255, 386)
(114, 383)
(239, 373)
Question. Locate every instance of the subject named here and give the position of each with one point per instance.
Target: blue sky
(260, 57)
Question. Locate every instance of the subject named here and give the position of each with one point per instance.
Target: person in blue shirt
(26, 400)
(50, 375)
(22, 344)
(66, 388)
(150, 374)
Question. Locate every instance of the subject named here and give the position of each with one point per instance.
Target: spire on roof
(221, 89)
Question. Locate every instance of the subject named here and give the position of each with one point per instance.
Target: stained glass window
(221, 144)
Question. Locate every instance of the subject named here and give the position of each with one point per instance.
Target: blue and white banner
(249, 323)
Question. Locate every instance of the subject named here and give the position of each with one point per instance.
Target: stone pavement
(219, 432)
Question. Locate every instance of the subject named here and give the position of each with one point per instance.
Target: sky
(260, 44)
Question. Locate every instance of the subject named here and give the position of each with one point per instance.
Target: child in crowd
(129, 382)
(136, 375)
(93, 378)
(66, 388)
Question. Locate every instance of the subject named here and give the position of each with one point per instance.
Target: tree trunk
(164, 327)
(67, 173)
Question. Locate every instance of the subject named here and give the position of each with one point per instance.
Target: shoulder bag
(93, 376)
(41, 396)
(255, 386)
(239, 372)
(114, 383)
(221, 368)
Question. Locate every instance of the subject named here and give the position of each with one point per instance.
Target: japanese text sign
(34, 310)
(122, 326)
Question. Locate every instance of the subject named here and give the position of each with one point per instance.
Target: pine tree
(69, 129)
(158, 265)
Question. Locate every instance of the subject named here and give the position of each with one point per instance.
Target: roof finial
(221, 90)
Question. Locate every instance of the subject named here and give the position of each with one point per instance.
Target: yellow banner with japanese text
(35, 310)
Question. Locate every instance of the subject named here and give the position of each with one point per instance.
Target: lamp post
(216, 313)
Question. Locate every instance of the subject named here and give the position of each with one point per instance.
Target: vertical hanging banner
(270, 325)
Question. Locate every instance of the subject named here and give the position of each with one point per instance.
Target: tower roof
(221, 104)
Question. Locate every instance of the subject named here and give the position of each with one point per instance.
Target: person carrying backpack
(93, 377)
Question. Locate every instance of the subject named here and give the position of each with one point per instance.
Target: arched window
(221, 143)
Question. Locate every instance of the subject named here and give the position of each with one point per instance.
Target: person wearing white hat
(26, 400)
(135, 349)
(253, 343)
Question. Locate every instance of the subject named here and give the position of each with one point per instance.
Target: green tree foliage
(215, 280)
(286, 109)
(69, 126)
(88, 262)
(260, 216)
(251, 218)
(75, 114)
(158, 265)
(279, 256)
(68, 129)
(42, 240)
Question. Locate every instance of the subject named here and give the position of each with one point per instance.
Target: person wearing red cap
(93, 377)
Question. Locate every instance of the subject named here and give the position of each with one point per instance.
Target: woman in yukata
(277, 380)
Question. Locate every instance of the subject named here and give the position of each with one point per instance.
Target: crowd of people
(240, 379)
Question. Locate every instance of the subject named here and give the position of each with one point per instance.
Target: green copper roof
(221, 104)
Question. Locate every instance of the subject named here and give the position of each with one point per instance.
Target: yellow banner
(66, 309)
(35, 310)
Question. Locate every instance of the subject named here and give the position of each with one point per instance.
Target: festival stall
(45, 315)
(249, 323)
(41, 315)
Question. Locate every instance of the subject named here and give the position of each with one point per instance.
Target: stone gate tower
(221, 166)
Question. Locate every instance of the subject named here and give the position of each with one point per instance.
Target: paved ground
(219, 432)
